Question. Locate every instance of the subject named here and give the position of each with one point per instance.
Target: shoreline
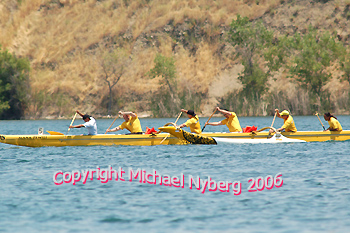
(146, 116)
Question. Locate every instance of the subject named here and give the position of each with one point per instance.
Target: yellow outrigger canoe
(171, 136)
(89, 140)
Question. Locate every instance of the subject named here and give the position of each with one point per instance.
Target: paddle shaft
(273, 121)
(209, 119)
(111, 124)
(178, 117)
(320, 121)
(169, 133)
(75, 115)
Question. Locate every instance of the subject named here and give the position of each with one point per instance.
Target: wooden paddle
(273, 121)
(111, 124)
(169, 133)
(75, 115)
(54, 133)
(208, 120)
(320, 120)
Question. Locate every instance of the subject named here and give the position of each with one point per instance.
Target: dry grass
(204, 67)
(61, 43)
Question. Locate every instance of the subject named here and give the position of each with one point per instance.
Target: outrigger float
(171, 135)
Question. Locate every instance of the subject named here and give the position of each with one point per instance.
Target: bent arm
(184, 110)
(114, 129)
(277, 113)
(284, 126)
(128, 113)
(76, 126)
(214, 123)
(80, 114)
(280, 129)
(223, 111)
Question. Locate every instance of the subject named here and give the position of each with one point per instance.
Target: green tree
(307, 60)
(313, 54)
(166, 102)
(250, 40)
(14, 85)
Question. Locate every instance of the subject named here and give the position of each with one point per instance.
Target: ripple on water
(314, 197)
(115, 220)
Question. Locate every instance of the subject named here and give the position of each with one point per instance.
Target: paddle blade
(54, 133)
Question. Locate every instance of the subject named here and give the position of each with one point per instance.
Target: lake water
(314, 195)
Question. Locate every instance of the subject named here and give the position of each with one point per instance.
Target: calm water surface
(314, 197)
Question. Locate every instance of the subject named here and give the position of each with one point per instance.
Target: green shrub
(14, 85)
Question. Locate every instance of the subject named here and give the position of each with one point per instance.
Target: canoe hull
(152, 140)
(308, 136)
(88, 140)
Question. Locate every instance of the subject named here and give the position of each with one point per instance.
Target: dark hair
(191, 112)
(225, 109)
(327, 114)
(86, 116)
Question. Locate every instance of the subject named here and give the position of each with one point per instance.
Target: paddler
(131, 123)
(288, 125)
(90, 124)
(334, 124)
(231, 120)
(192, 122)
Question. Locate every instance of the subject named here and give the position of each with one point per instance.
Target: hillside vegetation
(104, 56)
